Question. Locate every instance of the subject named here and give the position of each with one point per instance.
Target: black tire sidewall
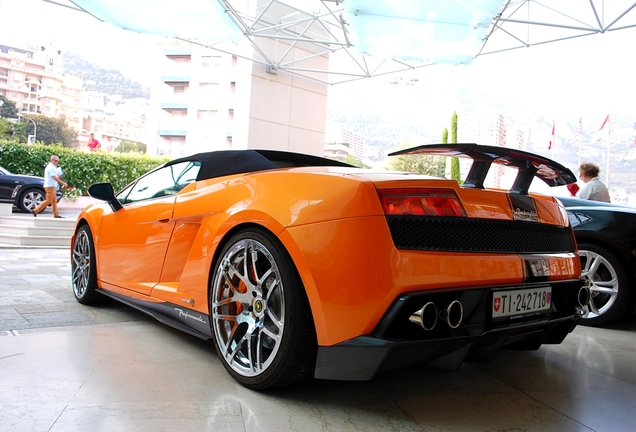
(91, 296)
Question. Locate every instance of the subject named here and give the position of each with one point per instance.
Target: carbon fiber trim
(478, 235)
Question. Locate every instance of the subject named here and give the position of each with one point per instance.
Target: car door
(7, 185)
(133, 241)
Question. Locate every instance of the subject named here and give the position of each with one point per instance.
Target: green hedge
(81, 169)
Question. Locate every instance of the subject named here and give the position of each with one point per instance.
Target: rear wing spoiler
(529, 165)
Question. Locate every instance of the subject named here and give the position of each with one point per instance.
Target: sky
(37, 22)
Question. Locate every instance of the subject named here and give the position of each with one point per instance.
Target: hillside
(103, 80)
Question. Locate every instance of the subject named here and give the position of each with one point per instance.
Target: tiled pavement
(66, 367)
(35, 293)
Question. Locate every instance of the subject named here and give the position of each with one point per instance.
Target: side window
(163, 182)
(121, 196)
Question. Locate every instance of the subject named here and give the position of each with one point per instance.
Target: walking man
(51, 180)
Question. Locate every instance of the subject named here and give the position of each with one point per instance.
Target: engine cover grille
(455, 234)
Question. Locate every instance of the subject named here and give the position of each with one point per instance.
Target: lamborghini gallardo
(299, 267)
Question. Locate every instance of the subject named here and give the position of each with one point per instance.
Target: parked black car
(23, 191)
(606, 237)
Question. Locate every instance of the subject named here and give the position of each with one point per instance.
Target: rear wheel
(260, 317)
(609, 284)
(30, 199)
(83, 273)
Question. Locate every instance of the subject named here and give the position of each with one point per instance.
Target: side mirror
(104, 192)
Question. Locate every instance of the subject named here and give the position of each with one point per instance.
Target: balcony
(172, 132)
(177, 52)
(176, 79)
(174, 106)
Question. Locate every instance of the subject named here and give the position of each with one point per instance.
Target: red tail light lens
(421, 202)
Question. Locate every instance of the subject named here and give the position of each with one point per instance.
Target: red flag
(598, 136)
(551, 139)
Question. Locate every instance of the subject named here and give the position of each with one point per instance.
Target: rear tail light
(421, 202)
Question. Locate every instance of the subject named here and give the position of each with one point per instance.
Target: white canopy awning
(368, 37)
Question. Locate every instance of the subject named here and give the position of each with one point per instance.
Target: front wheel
(260, 317)
(83, 268)
(30, 199)
(609, 285)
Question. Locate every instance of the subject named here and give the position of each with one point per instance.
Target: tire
(609, 285)
(83, 273)
(30, 199)
(261, 322)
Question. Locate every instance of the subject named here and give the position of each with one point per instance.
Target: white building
(36, 83)
(489, 128)
(355, 143)
(207, 99)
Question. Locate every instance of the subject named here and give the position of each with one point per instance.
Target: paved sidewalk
(36, 293)
(68, 209)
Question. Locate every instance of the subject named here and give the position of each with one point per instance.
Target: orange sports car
(297, 266)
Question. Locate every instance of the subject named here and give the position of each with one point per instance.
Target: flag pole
(609, 133)
(580, 138)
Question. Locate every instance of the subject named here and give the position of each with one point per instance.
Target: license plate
(520, 302)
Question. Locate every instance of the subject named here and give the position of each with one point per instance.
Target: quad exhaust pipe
(428, 316)
(584, 296)
(453, 314)
(425, 317)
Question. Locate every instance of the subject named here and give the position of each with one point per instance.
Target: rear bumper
(362, 358)
(398, 343)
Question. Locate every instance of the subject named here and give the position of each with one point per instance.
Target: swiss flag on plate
(497, 304)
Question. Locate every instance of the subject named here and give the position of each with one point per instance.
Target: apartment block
(36, 83)
(341, 142)
(216, 99)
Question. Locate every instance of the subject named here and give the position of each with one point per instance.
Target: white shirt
(594, 190)
(49, 172)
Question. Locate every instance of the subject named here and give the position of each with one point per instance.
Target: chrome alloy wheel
(81, 264)
(248, 307)
(604, 283)
(31, 199)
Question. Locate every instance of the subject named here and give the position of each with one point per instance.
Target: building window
(232, 87)
(179, 115)
(179, 89)
(210, 61)
(206, 114)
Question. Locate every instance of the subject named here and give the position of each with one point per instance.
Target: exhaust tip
(584, 295)
(425, 317)
(453, 314)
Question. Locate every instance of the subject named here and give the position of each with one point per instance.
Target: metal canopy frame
(274, 28)
(519, 24)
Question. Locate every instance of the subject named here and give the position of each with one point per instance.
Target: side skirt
(177, 316)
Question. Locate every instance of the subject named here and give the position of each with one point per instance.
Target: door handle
(164, 216)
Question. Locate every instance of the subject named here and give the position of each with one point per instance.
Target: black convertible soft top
(529, 165)
(228, 162)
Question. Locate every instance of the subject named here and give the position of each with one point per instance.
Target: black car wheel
(83, 273)
(609, 285)
(30, 199)
(260, 317)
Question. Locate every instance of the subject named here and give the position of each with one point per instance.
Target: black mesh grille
(478, 235)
